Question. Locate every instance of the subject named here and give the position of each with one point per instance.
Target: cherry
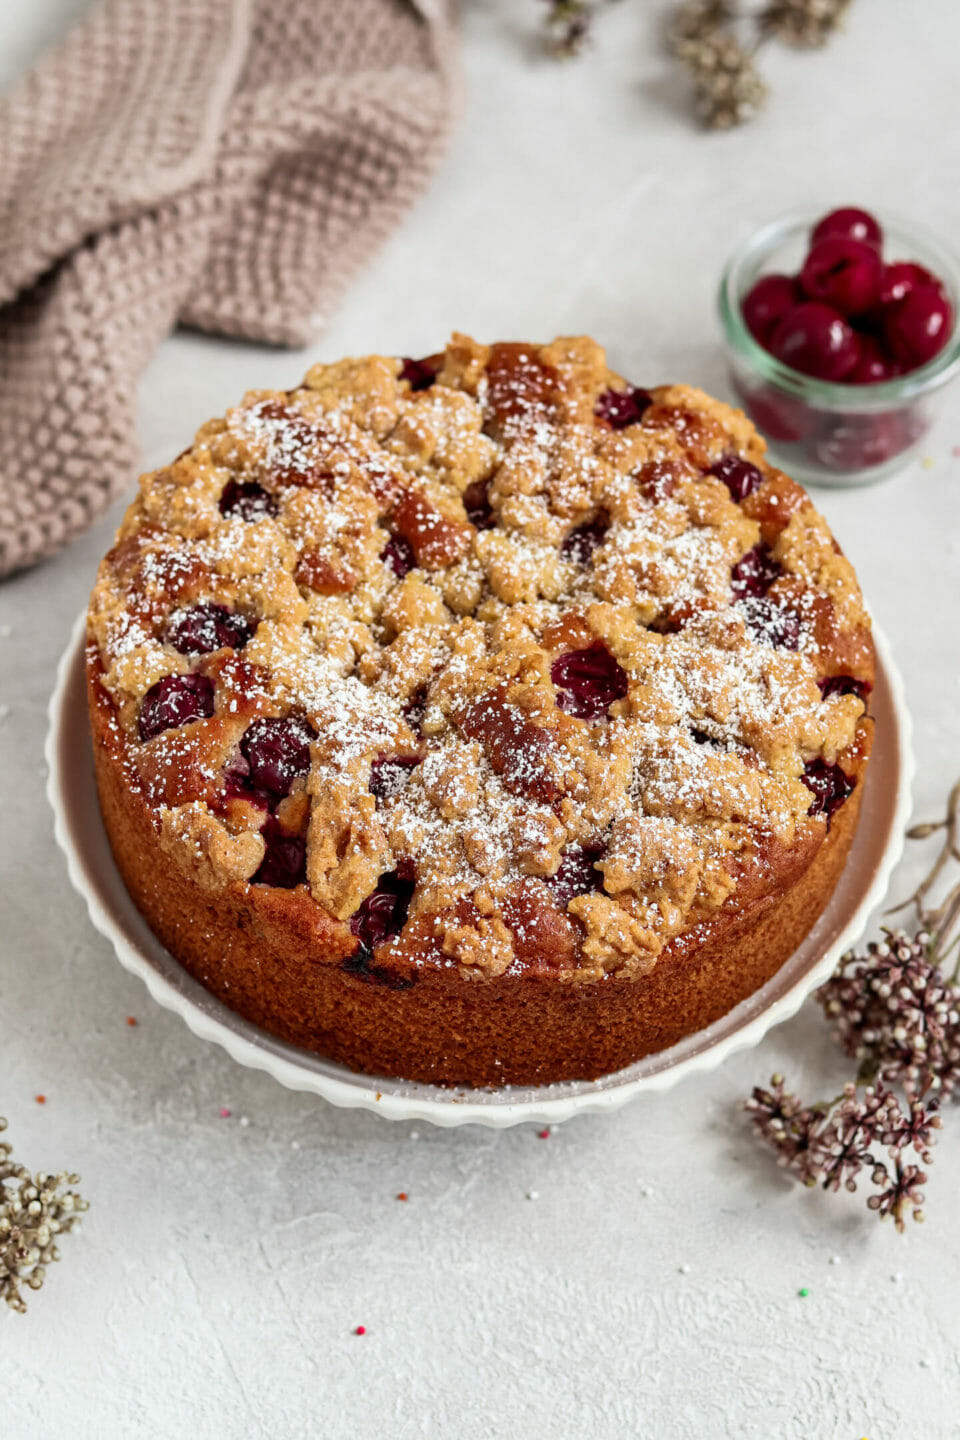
(588, 681)
(420, 374)
(476, 502)
(854, 442)
(277, 752)
(621, 408)
(843, 273)
(390, 773)
(753, 575)
(208, 627)
(767, 302)
(577, 873)
(740, 477)
(416, 708)
(382, 914)
(828, 785)
(916, 328)
(781, 417)
(398, 554)
(874, 366)
(582, 542)
(247, 499)
(900, 278)
(284, 863)
(772, 623)
(844, 685)
(175, 700)
(850, 224)
(816, 340)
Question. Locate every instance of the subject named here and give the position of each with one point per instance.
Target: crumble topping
(509, 662)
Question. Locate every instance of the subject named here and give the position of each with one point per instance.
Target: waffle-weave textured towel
(227, 164)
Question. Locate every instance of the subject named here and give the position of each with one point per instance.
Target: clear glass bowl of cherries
(841, 334)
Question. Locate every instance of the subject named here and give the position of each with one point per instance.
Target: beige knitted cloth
(223, 163)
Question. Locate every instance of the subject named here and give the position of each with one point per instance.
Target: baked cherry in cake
(481, 719)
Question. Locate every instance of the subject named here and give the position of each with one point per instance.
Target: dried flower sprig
(897, 1013)
(34, 1210)
(716, 40)
(568, 25)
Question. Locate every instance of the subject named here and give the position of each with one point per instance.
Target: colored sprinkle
(40, 1099)
(131, 1019)
(956, 449)
(804, 1292)
(544, 1134)
(928, 462)
(224, 1113)
(360, 1330)
(403, 1195)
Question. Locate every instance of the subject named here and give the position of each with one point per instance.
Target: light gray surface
(222, 1268)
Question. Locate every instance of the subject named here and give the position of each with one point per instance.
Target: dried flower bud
(32, 1211)
(727, 86)
(808, 23)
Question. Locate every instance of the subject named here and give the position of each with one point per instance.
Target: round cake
(480, 719)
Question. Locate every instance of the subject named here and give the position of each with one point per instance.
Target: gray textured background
(651, 1287)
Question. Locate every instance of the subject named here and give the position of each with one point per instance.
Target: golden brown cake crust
(481, 720)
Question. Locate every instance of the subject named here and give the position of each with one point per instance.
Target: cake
(481, 719)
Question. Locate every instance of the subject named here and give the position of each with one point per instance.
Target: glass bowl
(822, 432)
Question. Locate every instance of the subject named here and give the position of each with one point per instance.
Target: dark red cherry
(208, 627)
(740, 477)
(917, 327)
(588, 681)
(247, 499)
(874, 366)
(828, 785)
(771, 623)
(848, 442)
(776, 415)
(850, 224)
(398, 554)
(383, 914)
(285, 861)
(754, 574)
(621, 408)
(175, 700)
(577, 873)
(420, 374)
(390, 773)
(844, 685)
(900, 278)
(278, 752)
(766, 304)
(476, 502)
(843, 273)
(415, 709)
(582, 542)
(816, 340)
